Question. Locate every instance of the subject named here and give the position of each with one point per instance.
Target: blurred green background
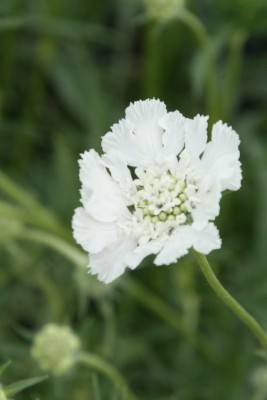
(67, 72)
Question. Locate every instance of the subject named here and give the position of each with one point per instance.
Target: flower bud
(55, 348)
(163, 9)
(259, 380)
(2, 394)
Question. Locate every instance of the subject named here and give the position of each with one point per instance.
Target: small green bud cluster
(170, 214)
(55, 348)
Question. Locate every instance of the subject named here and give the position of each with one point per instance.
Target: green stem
(152, 63)
(236, 42)
(54, 242)
(237, 309)
(99, 364)
(199, 30)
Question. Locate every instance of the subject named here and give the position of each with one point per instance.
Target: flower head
(155, 190)
(55, 348)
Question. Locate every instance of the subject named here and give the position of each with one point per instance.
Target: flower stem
(199, 30)
(232, 74)
(96, 362)
(237, 309)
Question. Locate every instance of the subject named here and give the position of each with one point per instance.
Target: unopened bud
(163, 9)
(55, 348)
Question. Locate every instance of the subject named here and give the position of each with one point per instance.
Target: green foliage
(67, 72)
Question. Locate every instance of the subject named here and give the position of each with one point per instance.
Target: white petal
(144, 117)
(207, 239)
(208, 207)
(110, 263)
(101, 196)
(118, 167)
(221, 157)
(176, 246)
(196, 135)
(122, 142)
(142, 251)
(173, 138)
(92, 235)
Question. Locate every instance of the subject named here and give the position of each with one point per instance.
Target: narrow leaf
(18, 386)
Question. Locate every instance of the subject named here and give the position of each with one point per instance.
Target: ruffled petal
(123, 143)
(220, 160)
(196, 135)
(141, 252)
(208, 207)
(176, 246)
(173, 138)
(101, 196)
(144, 117)
(111, 262)
(207, 239)
(118, 168)
(92, 235)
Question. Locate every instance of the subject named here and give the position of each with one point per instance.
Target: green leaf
(18, 386)
(4, 367)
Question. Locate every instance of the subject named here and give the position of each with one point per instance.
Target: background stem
(96, 362)
(199, 30)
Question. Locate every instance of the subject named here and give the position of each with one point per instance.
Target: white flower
(155, 190)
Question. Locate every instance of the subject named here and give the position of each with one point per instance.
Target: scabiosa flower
(55, 349)
(155, 190)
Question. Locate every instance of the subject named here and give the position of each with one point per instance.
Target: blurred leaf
(18, 386)
(4, 367)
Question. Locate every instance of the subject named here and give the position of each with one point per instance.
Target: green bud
(169, 211)
(259, 379)
(162, 216)
(172, 187)
(183, 197)
(182, 185)
(171, 218)
(183, 208)
(163, 9)
(2, 394)
(154, 219)
(148, 218)
(55, 348)
(176, 210)
(142, 203)
(146, 211)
